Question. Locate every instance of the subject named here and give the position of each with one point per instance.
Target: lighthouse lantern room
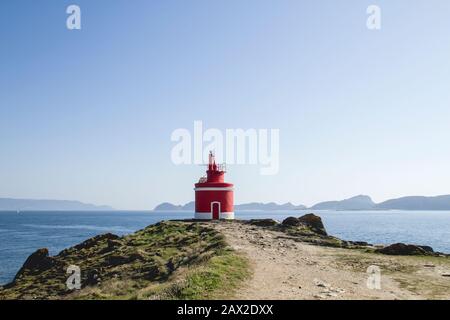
(213, 196)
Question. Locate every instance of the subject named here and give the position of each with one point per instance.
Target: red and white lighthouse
(213, 196)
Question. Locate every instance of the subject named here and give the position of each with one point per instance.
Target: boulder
(427, 249)
(401, 249)
(37, 262)
(291, 221)
(313, 221)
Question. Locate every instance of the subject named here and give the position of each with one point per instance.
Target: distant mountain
(190, 206)
(166, 206)
(268, 206)
(7, 204)
(417, 203)
(356, 203)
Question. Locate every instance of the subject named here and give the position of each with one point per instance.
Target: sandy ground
(286, 269)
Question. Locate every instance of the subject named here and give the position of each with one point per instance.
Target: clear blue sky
(88, 114)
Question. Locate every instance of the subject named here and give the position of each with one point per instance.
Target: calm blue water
(21, 234)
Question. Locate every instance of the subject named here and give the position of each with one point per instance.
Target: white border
(208, 215)
(214, 189)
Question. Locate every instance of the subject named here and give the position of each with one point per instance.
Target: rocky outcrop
(148, 260)
(291, 222)
(310, 228)
(314, 222)
(401, 249)
(37, 262)
(311, 221)
(137, 260)
(307, 224)
(427, 249)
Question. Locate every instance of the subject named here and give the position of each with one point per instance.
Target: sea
(21, 233)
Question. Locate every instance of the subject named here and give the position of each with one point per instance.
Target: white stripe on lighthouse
(226, 215)
(214, 189)
(208, 215)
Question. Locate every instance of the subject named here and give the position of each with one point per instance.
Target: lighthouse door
(215, 210)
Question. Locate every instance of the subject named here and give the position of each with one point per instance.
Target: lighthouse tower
(213, 196)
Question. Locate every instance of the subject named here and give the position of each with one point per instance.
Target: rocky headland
(254, 259)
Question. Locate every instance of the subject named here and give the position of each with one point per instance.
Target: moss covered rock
(309, 223)
(263, 222)
(401, 249)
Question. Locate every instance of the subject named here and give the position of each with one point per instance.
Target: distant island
(361, 202)
(7, 204)
(356, 203)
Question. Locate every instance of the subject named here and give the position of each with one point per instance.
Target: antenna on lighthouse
(212, 165)
(211, 159)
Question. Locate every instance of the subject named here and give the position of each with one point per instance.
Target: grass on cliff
(216, 279)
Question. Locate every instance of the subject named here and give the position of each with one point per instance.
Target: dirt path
(286, 269)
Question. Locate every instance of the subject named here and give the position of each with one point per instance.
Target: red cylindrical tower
(214, 197)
